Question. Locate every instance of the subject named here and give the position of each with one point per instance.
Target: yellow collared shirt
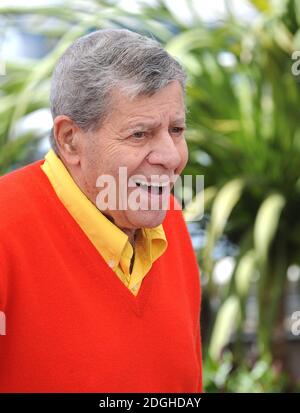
(111, 243)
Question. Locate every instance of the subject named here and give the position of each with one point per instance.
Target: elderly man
(99, 297)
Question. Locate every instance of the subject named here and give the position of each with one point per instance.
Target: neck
(130, 232)
(131, 235)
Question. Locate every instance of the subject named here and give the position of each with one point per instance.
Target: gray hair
(94, 65)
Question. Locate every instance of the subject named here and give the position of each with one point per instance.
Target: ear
(67, 135)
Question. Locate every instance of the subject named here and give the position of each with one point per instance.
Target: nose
(166, 153)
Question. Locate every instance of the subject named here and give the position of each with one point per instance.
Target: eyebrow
(151, 125)
(179, 121)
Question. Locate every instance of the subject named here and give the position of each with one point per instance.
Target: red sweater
(71, 325)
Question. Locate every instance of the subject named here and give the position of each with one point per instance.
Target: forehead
(167, 103)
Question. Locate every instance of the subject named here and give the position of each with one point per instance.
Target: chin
(146, 219)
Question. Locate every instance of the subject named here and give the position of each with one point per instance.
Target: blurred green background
(243, 98)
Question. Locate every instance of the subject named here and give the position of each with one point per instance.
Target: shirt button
(111, 263)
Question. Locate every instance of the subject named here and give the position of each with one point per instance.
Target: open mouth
(152, 188)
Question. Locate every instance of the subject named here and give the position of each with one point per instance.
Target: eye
(176, 130)
(139, 135)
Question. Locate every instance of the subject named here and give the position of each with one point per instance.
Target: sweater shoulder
(19, 174)
(17, 192)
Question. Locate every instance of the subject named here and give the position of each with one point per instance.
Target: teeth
(154, 184)
(141, 183)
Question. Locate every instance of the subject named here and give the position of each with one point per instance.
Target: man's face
(146, 136)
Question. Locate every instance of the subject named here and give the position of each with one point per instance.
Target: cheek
(98, 159)
(92, 168)
(184, 154)
(134, 158)
(90, 175)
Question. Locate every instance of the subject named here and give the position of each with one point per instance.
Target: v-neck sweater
(71, 324)
(109, 240)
